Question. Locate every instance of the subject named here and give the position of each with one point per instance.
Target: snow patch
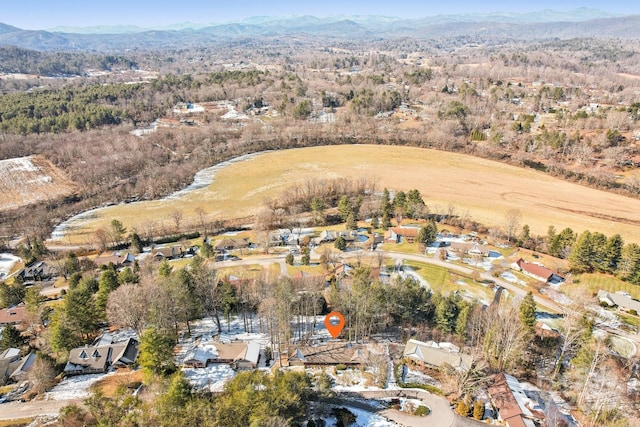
(7, 261)
(75, 387)
(212, 378)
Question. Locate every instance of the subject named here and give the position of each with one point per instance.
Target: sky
(45, 14)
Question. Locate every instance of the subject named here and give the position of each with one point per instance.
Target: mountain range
(546, 24)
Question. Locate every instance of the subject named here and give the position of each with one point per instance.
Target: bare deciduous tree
(177, 215)
(128, 307)
(42, 375)
(512, 218)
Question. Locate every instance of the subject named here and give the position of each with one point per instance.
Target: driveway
(441, 413)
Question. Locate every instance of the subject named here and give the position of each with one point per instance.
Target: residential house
(326, 236)
(460, 248)
(343, 270)
(13, 315)
(170, 252)
(545, 331)
(514, 407)
(229, 244)
(118, 260)
(401, 234)
(240, 354)
(619, 299)
(436, 355)
(8, 359)
(327, 355)
(23, 367)
(101, 357)
(537, 271)
(36, 272)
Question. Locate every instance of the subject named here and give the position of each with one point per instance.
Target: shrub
(463, 409)
(478, 410)
(344, 417)
(289, 259)
(422, 411)
(341, 367)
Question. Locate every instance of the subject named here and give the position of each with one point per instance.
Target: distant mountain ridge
(547, 15)
(541, 25)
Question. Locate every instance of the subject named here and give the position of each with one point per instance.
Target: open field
(32, 179)
(481, 188)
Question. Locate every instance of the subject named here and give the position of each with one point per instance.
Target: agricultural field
(27, 180)
(482, 189)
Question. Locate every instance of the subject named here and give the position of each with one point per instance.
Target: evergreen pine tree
(528, 312)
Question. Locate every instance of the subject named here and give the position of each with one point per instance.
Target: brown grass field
(483, 189)
(32, 179)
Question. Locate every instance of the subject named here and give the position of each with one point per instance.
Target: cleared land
(27, 180)
(483, 189)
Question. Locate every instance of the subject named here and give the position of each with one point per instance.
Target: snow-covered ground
(408, 271)
(232, 114)
(556, 296)
(211, 378)
(414, 376)
(510, 277)
(363, 419)
(7, 261)
(485, 265)
(74, 387)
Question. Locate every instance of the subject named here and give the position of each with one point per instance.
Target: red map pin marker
(334, 323)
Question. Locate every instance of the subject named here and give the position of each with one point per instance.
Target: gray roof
(23, 367)
(100, 358)
(621, 300)
(436, 356)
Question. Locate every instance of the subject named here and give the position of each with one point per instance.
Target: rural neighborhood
(322, 221)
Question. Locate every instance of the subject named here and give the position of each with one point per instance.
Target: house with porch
(536, 271)
(435, 355)
(102, 357)
(36, 272)
(401, 234)
(118, 260)
(237, 354)
(331, 354)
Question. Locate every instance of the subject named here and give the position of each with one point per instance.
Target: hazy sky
(42, 14)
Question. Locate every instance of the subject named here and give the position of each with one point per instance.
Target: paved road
(19, 410)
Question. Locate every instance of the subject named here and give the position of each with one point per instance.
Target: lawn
(252, 271)
(594, 282)
(438, 277)
(482, 188)
(110, 384)
(311, 269)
